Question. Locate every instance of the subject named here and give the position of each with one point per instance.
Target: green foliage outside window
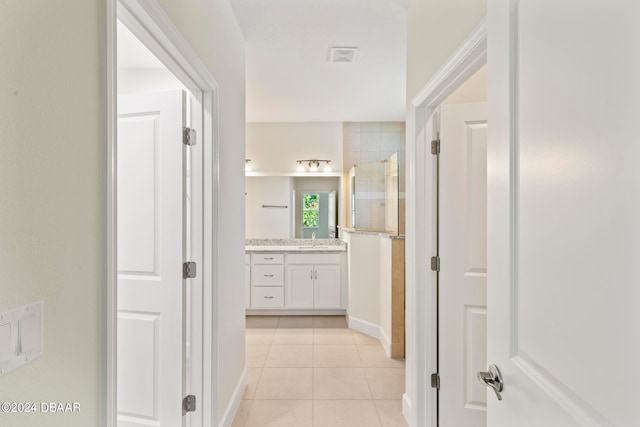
(310, 207)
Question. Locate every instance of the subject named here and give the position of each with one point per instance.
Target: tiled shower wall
(372, 141)
(367, 142)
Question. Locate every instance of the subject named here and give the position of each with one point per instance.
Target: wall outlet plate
(21, 336)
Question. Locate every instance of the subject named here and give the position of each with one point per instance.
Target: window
(310, 207)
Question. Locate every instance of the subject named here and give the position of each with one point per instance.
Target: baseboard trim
(407, 409)
(386, 342)
(364, 326)
(372, 330)
(234, 404)
(294, 312)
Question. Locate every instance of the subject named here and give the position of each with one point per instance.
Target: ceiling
(289, 77)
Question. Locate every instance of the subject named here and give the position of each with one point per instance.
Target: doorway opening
(425, 262)
(162, 225)
(159, 318)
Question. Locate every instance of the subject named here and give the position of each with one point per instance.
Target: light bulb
(327, 167)
(313, 166)
(247, 165)
(300, 167)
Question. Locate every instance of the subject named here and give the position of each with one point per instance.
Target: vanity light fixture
(314, 165)
(247, 165)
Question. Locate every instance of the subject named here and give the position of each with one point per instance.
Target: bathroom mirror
(282, 207)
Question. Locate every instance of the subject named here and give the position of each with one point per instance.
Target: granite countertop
(295, 245)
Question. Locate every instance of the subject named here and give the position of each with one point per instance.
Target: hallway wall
(435, 29)
(52, 186)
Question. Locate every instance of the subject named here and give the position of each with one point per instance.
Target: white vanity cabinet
(313, 281)
(296, 282)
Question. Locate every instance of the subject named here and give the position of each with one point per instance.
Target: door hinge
(189, 270)
(435, 381)
(435, 263)
(188, 404)
(189, 136)
(435, 147)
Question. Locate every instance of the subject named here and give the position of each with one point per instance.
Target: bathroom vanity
(296, 276)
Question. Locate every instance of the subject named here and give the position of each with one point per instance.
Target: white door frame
(155, 30)
(419, 401)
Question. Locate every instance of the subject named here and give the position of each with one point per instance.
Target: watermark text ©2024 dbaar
(43, 407)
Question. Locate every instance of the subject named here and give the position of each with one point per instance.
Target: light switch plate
(21, 336)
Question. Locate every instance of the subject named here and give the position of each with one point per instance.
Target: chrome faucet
(313, 237)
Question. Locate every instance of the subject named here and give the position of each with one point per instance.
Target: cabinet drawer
(313, 259)
(267, 297)
(267, 275)
(267, 259)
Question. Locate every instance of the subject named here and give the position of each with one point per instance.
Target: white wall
(364, 277)
(275, 147)
(269, 223)
(139, 71)
(143, 80)
(473, 90)
(435, 29)
(52, 184)
(370, 284)
(210, 27)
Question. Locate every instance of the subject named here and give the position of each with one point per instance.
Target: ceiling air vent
(342, 54)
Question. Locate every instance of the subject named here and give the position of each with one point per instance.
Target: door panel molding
(475, 263)
(475, 326)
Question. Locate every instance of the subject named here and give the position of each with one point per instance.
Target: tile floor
(312, 371)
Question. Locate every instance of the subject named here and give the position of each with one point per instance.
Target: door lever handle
(492, 379)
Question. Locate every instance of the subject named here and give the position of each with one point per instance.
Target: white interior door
(563, 212)
(463, 272)
(332, 215)
(151, 245)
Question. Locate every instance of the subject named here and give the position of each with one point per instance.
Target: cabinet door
(247, 286)
(327, 286)
(300, 286)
